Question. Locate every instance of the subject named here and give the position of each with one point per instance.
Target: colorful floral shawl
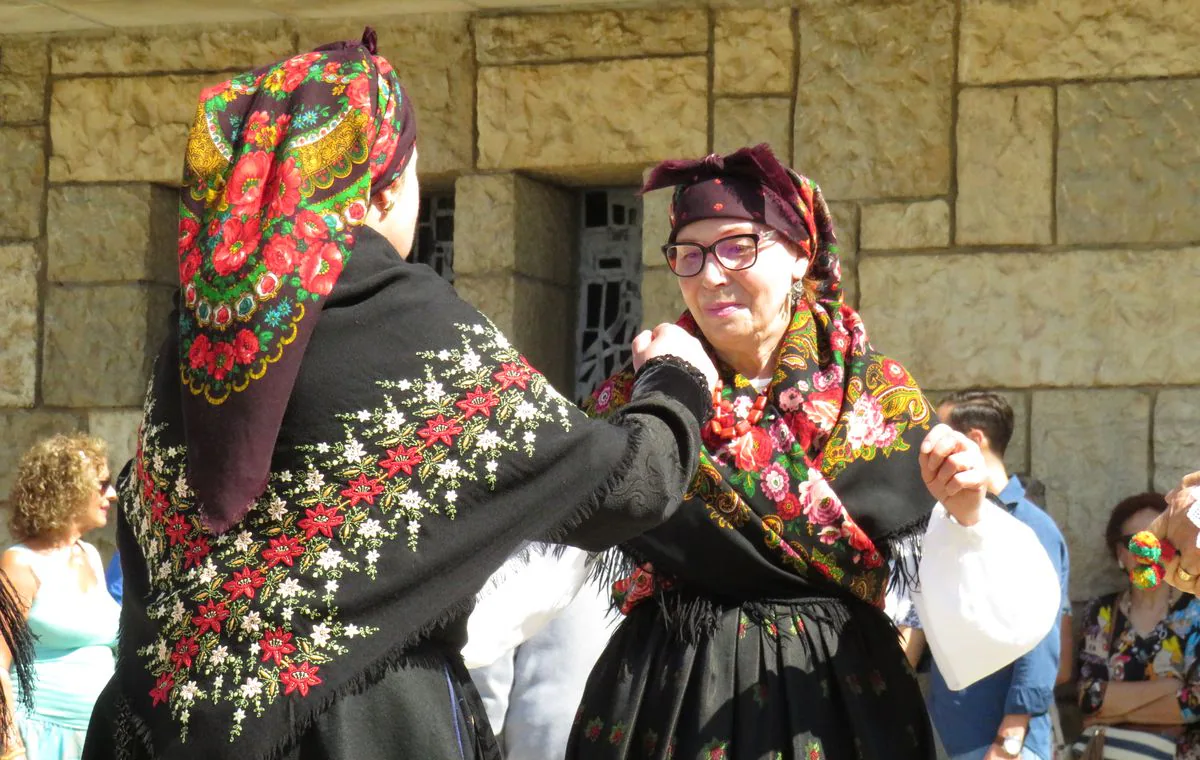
(826, 488)
(281, 163)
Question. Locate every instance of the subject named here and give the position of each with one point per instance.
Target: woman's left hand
(953, 469)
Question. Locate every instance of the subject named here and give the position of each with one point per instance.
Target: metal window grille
(610, 290)
(435, 234)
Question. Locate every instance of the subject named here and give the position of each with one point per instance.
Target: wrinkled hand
(1175, 526)
(953, 469)
(673, 340)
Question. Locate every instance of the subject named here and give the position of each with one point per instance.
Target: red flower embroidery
(320, 268)
(895, 372)
(839, 341)
(284, 191)
(440, 429)
(199, 353)
(245, 346)
(239, 238)
(311, 227)
(401, 458)
(185, 650)
(358, 92)
(321, 520)
(162, 690)
(196, 550)
(284, 549)
(300, 678)
(276, 644)
(245, 583)
(362, 488)
(296, 70)
(246, 183)
(221, 360)
(178, 529)
(856, 536)
(158, 506)
(281, 255)
(512, 373)
(209, 617)
(478, 401)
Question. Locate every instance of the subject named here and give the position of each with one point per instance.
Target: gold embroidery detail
(203, 157)
(333, 147)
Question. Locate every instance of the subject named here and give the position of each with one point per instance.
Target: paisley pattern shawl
(281, 163)
(826, 487)
(401, 479)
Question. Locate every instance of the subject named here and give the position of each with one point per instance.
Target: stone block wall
(1012, 184)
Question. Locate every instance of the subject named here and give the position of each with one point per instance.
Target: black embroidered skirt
(808, 679)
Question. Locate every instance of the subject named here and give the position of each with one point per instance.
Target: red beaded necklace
(725, 424)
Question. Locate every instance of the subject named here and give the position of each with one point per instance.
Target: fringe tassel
(903, 550)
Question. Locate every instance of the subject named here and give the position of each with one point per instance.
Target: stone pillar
(515, 242)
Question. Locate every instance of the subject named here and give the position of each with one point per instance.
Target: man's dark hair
(985, 411)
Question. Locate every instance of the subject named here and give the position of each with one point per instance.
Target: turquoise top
(76, 633)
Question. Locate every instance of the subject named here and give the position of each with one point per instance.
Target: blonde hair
(55, 480)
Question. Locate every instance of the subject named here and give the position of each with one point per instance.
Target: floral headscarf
(281, 163)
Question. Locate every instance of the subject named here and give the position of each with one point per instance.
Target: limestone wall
(1013, 182)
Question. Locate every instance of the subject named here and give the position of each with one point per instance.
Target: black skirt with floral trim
(811, 678)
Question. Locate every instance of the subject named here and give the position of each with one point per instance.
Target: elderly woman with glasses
(754, 623)
(62, 492)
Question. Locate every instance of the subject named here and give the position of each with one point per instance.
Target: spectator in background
(1138, 663)
(1007, 714)
(62, 492)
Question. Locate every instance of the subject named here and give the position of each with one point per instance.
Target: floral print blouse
(1112, 650)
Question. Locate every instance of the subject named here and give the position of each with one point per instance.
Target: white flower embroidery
(501, 341)
(252, 622)
(433, 391)
(351, 631)
(289, 588)
(364, 415)
(492, 465)
(207, 573)
(314, 481)
(255, 648)
(239, 715)
(450, 469)
(278, 508)
(244, 541)
(354, 452)
(162, 653)
(252, 688)
(158, 462)
(329, 559)
(322, 448)
(189, 691)
(372, 556)
(320, 634)
(530, 438)
(414, 528)
(393, 420)
(411, 500)
(285, 476)
(331, 586)
(451, 497)
(370, 528)
(489, 440)
(470, 361)
(404, 385)
(181, 488)
(177, 612)
(219, 655)
(444, 355)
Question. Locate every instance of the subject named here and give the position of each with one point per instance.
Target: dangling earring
(388, 208)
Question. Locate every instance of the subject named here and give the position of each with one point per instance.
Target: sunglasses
(105, 484)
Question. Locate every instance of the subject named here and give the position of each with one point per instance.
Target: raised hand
(672, 340)
(953, 469)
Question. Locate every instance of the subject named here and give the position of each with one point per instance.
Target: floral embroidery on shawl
(256, 615)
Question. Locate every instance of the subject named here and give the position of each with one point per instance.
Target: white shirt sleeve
(525, 594)
(988, 593)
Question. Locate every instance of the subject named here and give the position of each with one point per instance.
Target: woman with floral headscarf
(754, 621)
(337, 452)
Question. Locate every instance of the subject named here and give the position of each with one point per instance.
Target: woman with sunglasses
(1138, 659)
(755, 628)
(62, 492)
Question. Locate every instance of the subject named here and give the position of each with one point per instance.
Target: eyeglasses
(733, 253)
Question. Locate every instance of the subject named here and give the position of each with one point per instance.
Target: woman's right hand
(672, 340)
